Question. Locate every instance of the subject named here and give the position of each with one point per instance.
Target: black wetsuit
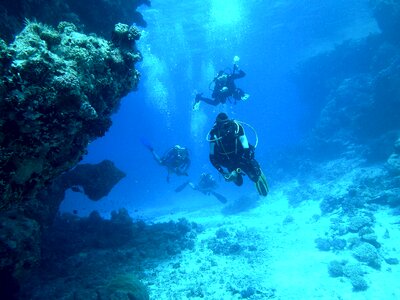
(177, 161)
(230, 153)
(219, 95)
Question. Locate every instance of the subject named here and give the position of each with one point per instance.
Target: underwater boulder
(97, 180)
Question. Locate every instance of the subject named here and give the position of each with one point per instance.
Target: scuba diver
(206, 185)
(176, 159)
(224, 88)
(229, 148)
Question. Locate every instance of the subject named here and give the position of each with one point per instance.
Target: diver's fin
(196, 106)
(146, 143)
(262, 185)
(182, 186)
(221, 198)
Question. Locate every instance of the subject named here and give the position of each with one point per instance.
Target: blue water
(184, 45)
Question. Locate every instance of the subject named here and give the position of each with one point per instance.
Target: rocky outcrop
(91, 16)
(64, 67)
(58, 90)
(387, 15)
(94, 180)
(19, 250)
(100, 258)
(353, 94)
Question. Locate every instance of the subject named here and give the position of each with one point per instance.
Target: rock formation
(59, 85)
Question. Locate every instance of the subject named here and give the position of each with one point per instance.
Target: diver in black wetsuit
(224, 88)
(176, 160)
(206, 185)
(230, 149)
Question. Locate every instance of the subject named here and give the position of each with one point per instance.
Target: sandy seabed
(277, 259)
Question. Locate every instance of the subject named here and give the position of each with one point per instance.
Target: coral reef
(126, 285)
(94, 180)
(368, 254)
(358, 222)
(334, 243)
(19, 250)
(354, 272)
(353, 93)
(368, 186)
(335, 268)
(232, 242)
(158, 240)
(75, 249)
(358, 238)
(58, 90)
(92, 16)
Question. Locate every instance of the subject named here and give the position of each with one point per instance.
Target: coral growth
(353, 92)
(354, 272)
(19, 251)
(368, 254)
(59, 88)
(103, 257)
(91, 16)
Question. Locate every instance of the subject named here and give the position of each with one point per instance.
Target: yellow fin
(262, 185)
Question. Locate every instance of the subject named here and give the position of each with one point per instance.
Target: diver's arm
(245, 144)
(157, 157)
(238, 75)
(243, 140)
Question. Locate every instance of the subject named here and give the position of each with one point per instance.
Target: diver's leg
(168, 175)
(181, 171)
(253, 170)
(156, 157)
(221, 198)
(214, 102)
(182, 186)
